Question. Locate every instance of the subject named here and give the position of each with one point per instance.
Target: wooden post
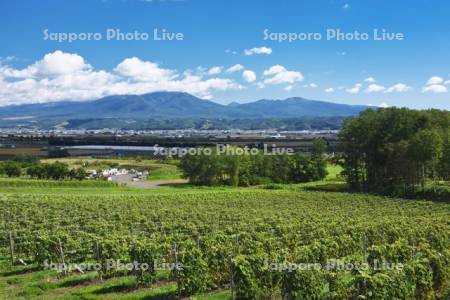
(177, 275)
(11, 247)
(198, 240)
(96, 250)
(231, 270)
(230, 265)
(364, 247)
(133, 258)
(98, 258)
(61, 252)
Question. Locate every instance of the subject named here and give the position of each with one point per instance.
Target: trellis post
(11, 247)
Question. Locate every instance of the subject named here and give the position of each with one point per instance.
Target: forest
(396, 151)
(248, 169)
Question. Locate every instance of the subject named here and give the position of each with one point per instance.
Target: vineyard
(233, 243)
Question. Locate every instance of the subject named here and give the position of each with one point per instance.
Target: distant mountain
(295, 107)
(171, 105)
(153, 105)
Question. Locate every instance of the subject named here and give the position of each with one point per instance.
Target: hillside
(168, 105)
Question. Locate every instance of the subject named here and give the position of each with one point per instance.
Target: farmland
(158, 170)
(245, 242)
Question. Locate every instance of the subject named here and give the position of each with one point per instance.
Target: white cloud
(258, 50)
(64, 76)
(447, 82)
(278, 74)
(329, 90)
(7, 59)
(59, 63)
(434, 80)
(374, 88)
(215, 70)
(147, 71)
(249, 75)
(355, 89)
(260, 85)
(52, 64)
(288, 88)
(346, 6)
(383, 105)
(399, 88)
(435, 88)
(370, 79)
(235, 68)
(229, 51)
(313, 85)
(274, 70)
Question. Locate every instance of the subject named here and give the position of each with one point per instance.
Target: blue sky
(412, 72)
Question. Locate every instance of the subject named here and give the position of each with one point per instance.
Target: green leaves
(273, 227)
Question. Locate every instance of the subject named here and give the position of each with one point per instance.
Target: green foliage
(145, 252)
(78, 174)
(193, 270)
(303, 284)
(214, 168)
(38, 183)
(394, 150)
(11, 169)
(55, 171)
(273, 226)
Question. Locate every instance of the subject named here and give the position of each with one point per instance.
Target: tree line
(253, 169)
(396, 151)
(30, 165)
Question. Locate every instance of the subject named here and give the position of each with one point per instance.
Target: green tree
(12, 169)
(444, 164)
(318, 159)
(392, 150)
(426, 151)
(78, 174)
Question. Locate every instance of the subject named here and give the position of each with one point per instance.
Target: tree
(253, 169)
(302, 168)
(391, 150)
(318, 159)
(444, 164)
(426, 150)
(12, 169)
(55, 171)
(78, 174)
(36, 171)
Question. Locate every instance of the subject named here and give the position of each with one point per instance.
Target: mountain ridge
(176, 110)
(177, 105)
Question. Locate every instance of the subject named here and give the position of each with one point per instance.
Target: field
(158, 170)
(245, 241)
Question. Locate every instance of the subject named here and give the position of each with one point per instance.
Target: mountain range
(171, 105)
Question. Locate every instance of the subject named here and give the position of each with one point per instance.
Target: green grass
(334, 172)
(21, 282)
(164, 172)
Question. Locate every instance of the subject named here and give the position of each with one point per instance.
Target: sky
(227, 50)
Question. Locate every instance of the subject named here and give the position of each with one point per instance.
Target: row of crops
(38, 183)
(260, 244)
